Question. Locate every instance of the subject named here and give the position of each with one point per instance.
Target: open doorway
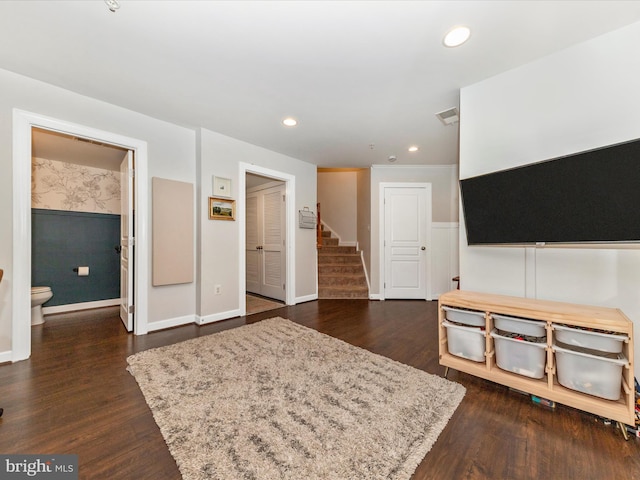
(24, 123)
(265, 253)
(79, 218)
(280, 188)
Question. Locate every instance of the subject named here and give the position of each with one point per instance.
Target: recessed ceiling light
(413, 148)
(457, 36)
(290, 122)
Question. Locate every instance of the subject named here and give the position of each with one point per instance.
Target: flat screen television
(589, 197)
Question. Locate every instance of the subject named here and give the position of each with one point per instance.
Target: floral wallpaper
(65, 186)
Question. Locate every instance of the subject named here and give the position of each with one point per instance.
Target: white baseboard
(375, 296)
(171, 322)
(6, 356)
(307, 298)
(73, 307)
(216, 317)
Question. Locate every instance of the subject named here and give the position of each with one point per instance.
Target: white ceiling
(354, 73)
(65, 148)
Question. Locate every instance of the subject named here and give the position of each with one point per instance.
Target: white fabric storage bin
(593, 374)
(468, 317)
(522, 326)
(576, 337)
(465, 342)
(519, 356)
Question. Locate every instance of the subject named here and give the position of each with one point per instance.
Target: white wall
(364, 217)
(584, 97)
(444, 188)
(219, 241)
(171, 154)
(444, 263)
(337, 195)
(174, 153)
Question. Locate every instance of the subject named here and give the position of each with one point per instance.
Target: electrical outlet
(217, 289)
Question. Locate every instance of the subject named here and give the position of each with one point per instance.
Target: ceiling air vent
(449, 116)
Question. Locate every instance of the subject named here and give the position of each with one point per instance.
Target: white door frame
(381, 231)
(21, 290)
(290, 240)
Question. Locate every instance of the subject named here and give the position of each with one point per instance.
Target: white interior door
(265, 242)
(126, 241)
(405, 242)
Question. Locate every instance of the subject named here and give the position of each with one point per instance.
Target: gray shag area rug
(276, 400)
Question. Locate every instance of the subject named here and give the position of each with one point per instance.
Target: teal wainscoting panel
(62, 241)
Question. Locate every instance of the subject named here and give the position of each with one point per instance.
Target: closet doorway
(265, 251)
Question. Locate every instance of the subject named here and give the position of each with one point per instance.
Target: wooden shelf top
(605, 318)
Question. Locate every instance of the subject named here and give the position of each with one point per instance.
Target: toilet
(39, 295)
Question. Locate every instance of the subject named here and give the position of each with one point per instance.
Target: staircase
(340, 271)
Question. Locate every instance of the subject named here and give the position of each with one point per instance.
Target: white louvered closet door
(273, 265)
(265, 229)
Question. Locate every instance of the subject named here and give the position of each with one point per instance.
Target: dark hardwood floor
(74, 395)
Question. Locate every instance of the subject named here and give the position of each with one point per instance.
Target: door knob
(423, 248)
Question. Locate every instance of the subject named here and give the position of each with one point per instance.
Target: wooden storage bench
(551, 313)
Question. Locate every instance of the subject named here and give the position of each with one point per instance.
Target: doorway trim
(290, 188)
(23, 122)
(382, 232)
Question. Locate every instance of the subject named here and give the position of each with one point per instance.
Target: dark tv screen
(588, 197)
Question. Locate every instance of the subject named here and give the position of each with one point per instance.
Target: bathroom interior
(75, 224)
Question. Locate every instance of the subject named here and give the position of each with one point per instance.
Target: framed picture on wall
(222, 209)
(221, 187)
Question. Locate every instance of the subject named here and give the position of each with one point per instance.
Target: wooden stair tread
(340, 270)
(342, 275)
(340, 292)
